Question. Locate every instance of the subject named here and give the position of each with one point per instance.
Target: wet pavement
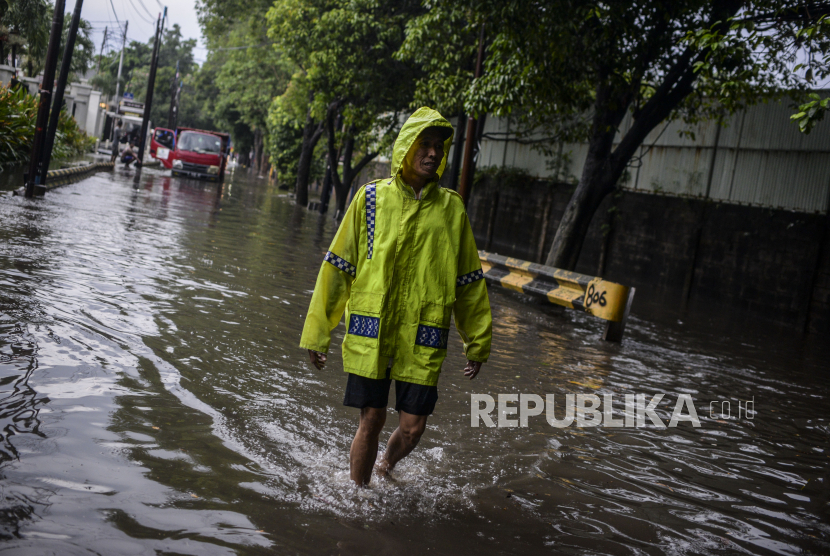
(154, 401)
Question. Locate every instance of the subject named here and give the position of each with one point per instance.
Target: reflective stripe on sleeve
(469, 278)
(341, 263)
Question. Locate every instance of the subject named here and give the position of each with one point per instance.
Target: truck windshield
(200, 143)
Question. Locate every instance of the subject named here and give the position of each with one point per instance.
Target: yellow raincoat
(400, 267)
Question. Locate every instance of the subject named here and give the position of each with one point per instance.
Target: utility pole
(120, 65)
(469, 143)
(57, 104)
(151, 81)
(101, 55)
(173, 115)
(32, 178)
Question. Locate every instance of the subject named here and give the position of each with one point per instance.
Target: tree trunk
(262, 165)
(594, 185)
(603, 168)
(255, 157)
(334, 161)
(311, 134)
(458, 150)
(304, 164)
(342, 186)
(325, 194)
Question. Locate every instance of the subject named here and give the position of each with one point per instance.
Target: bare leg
(403, 440)
(365, 444)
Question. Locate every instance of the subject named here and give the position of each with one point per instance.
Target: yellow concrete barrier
(603, 299)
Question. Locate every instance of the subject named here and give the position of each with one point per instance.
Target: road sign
(128, 96)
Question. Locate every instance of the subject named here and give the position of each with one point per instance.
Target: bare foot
(382, 471)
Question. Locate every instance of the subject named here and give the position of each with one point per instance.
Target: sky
(142, 22)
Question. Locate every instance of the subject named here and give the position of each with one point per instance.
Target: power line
(145, 9)
(139, 14)
(115, 14)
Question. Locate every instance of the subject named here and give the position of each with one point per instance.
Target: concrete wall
(33, 84)
(759, 158)
(6, 74)
(94, 115)
(81, 93)
(676, 251)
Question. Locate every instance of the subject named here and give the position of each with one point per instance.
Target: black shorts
(415, 399)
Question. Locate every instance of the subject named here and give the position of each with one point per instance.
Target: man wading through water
(403, 261)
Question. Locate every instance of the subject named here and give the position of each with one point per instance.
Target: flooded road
(154, 401)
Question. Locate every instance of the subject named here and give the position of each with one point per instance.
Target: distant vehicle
(194, 153)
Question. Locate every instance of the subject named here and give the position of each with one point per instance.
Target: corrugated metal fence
(760, 159)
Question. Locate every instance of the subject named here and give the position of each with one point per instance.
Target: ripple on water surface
(154, 400)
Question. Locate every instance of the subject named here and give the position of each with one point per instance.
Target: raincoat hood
(422, 118)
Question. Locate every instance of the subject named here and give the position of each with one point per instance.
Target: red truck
(193, 153)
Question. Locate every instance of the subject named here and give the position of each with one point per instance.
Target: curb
(57, 178)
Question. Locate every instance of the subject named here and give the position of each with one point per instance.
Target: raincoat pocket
(363, 327)
(436, 314)
(433, 328)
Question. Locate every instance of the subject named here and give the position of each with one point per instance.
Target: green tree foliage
(198, 98)
(816, 69)
(811, 112)
(173, 50)
(286, 121)
(248, 80)
(249, 73)
(26, 24)
(576, 69)
(136, 60)
(174, 53)
(83, 53)
(356, 88)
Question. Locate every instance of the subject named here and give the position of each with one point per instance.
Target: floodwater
(154, 401)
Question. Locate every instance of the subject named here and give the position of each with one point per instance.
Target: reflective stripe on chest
(371, 198)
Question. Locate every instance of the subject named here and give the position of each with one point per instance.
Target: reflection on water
(154, 401)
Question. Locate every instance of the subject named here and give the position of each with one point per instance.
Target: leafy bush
(18, 112)
(70, 139)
